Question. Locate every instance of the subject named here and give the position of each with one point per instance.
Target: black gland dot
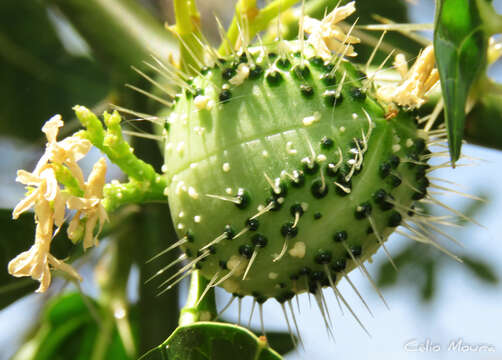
(294, 277)
(259, 240)
(340, 236)
(307, 90)
(225, 96)
(298, 179)
(310, 167)
(327, 143)
(419, 144)
(317, 216)
(356, 250)
(357, 94)
(243, 199)
(252, 224)
(280, 191)
(363, 210)
(277, 204)
(394, 181)
(272, 55)
(369, 230)
(317, 61)
(228, 73)
(339, 265)
(296, 209)
(328, 79)
(384, 169)
(189, 236)
(304, 271)
(323, 257)
(394, 161)
(380, 196)
(395, 219)
(255, 72)
(274, 78)
(301, 72)
(319, 189)
(212, 250)
(289, 230)
(317, 276)
(283, 64)
(229, 232)
(246, 251)
(331, 170)
(223, 264)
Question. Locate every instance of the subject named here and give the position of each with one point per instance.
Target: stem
(145, 183)
(188, 31)
(248, 16)
(194, 310)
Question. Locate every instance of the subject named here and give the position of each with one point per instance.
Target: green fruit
(291, 175)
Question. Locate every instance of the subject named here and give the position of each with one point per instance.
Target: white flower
(90, 206)
(415, 83)
(68, 151)
(35, 262)
(326, 37)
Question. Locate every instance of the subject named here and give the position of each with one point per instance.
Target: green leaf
(39, 77)
(460, 44)
(212, 340)
(17, 236)
(481, 270)
(69, 331)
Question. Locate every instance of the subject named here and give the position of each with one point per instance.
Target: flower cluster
(50, 201)
(326, 37)
(411, 92)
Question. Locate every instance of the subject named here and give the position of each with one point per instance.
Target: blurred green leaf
(460, 45)
(121, 33)
(69, 331)
(481, 269)
(39, 77)
(212, 340)
(429, 287)
(16, 237)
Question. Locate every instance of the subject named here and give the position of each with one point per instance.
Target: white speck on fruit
(181, 226)
(201, 101)
(193, 193)
(242, 74)
(181, 214)
(236, 262)
(180, 147)
(298, 250)
(197, 219)
(226, 167)
(321, 157)
(305, 206)
(225, 86)
(409, 142)
(289, 148)
(309, 120)
(272, 275)
(193, 165)
(163, 168)
(229, 191)
(354, 116)
(342, 128)
(180, 187)
(264, 153)
(199, 130)
(396, 147)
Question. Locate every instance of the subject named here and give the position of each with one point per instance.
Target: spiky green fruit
(285, 169)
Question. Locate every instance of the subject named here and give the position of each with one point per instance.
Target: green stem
(256, 20)
(195, 309)
(112, 143)
(188, 30)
